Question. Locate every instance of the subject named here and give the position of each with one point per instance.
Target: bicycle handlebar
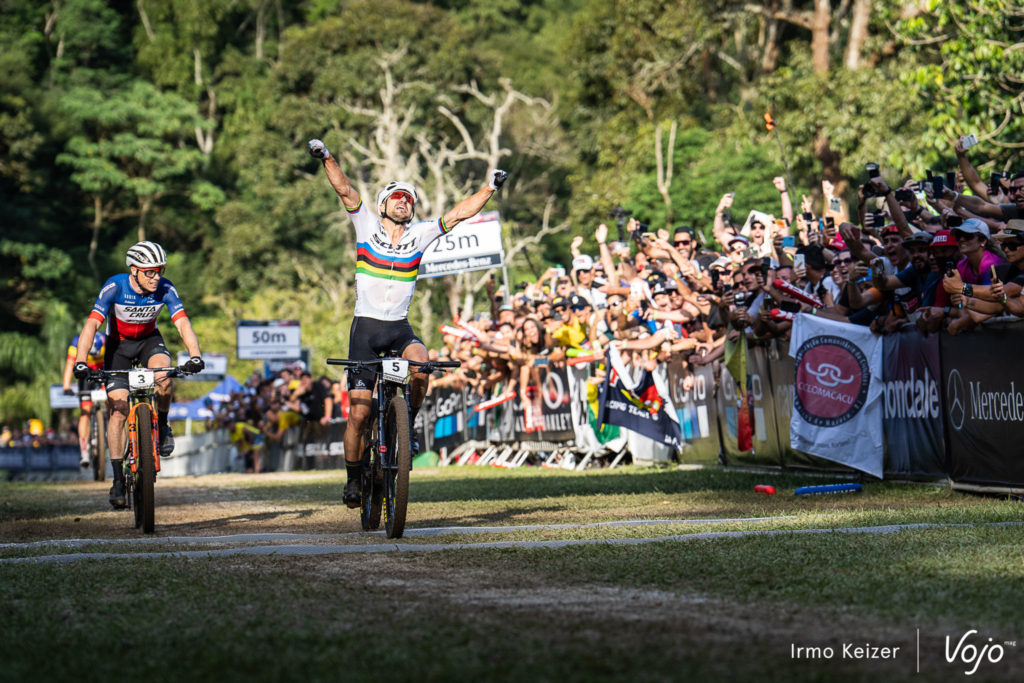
(428, 365)
(172, 371)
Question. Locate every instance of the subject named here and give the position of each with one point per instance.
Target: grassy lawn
(692, 609)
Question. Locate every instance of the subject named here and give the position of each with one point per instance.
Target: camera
(522, 285)
(740, 299)
(620, 214)
(993, 184)
(904, 195)
(872, 169)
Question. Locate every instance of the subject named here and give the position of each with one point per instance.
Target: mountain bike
(141, 459)
(387, 451)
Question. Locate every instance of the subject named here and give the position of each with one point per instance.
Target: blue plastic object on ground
(827, 488)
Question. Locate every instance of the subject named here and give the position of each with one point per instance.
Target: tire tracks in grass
(296, 549)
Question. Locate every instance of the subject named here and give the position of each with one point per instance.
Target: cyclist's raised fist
(193, 365)
(81, 370)
(498, 178)
(318, 150)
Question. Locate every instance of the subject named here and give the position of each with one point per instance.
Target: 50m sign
(276, 339)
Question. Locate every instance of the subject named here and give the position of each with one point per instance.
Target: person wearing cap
(914, 285)
(583, 274)
(735, 246)
(819, 283)
(1008, 289)
(978, 256)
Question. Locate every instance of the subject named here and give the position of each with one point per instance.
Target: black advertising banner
(983, 383)
(447, 419)
(912, 419)
(476, 422)
(419, 426)
(543, 412)
(693, 395)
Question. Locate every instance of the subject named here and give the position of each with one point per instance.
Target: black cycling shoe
(166, 440)
(117, 499)
(352, 493)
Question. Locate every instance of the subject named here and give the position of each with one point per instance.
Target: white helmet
(397, 186)
(146, 255)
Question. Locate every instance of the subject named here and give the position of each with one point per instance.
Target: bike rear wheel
(396, 470)
(372, 484)
(99, 443)
(145, 475)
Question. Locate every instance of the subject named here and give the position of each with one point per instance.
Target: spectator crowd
(942, 252)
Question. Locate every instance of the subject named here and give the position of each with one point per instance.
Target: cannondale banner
(837, 411)
(984, 401)
(913, 405)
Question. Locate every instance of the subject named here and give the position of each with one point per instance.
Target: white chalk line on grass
(409, 533)
(295, 550)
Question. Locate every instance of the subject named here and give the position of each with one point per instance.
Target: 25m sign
(268, 339)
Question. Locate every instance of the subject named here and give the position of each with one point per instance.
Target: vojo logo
(956, 396)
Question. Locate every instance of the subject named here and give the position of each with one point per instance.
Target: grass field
(695, 594)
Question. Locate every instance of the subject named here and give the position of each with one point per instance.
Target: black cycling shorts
(124, 354)
(370, 339)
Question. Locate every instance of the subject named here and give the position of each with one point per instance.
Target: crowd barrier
(952, 411)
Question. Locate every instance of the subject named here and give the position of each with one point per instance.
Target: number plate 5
(396, 370)
(141, 379)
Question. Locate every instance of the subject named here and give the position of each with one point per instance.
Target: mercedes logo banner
(982, 395)
(837, 407)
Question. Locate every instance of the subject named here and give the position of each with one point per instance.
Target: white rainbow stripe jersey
(386, 274)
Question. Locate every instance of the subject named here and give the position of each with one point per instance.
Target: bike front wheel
(373, 483)
(397, 464)
(99, 443)
(145, 475)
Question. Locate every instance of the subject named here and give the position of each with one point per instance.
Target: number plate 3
(141, 379)
(395, 370)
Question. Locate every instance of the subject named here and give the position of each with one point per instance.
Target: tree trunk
(664, 169)
(820, 36)
(144, 206)
(97, 221)
(858, 33)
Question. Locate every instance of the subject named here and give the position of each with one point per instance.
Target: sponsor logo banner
(837, 408)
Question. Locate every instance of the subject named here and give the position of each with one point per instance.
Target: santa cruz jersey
(134, 315)
(386, 274)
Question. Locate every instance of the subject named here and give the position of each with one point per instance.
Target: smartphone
(715, 278)
(951, 179)
(949, 269)
(808, 216)
(789, 306)
(993, 184)
(830, 222)
(872, 169)
(937, 184)
(799, 261)
(559, 272)
(904, 195)
(969, 141)
(1001, 272)
(789, 241)
(835, 204)
(766, 265)
(726, 288)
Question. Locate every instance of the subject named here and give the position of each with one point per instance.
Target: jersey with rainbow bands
(135, 314)
(385, 274)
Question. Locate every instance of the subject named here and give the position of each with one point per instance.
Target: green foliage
(189, 120)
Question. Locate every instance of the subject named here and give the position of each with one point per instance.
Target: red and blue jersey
(134, 315)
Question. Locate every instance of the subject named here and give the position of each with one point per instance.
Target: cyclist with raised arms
(94, 359)
(389, 246)
(129, 303)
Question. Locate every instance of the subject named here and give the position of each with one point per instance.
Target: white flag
(837, 407)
